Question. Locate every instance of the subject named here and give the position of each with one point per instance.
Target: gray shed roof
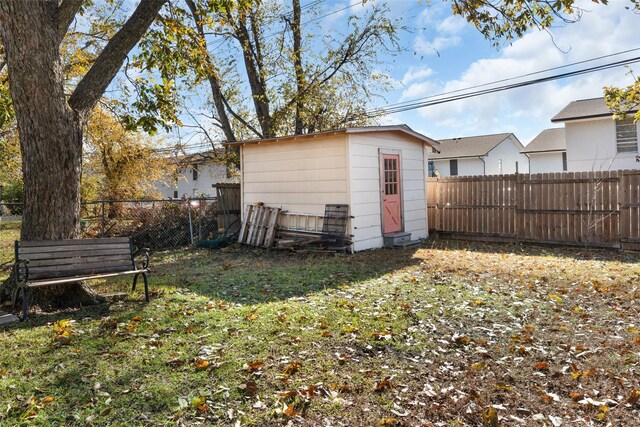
(584, 109)
(470, 146)
(546, 141)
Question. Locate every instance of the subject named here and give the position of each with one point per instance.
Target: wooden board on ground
(7, 318)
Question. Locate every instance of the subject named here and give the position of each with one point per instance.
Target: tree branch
(95, 82)
(65, 14)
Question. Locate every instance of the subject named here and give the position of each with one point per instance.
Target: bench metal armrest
(21, 274)
(144, 252)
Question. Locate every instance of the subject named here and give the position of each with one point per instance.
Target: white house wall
(364, 169)
(298, 176)
(591, 146)
(208, 174)
(545, 162)
(503, 157)
(466, 167)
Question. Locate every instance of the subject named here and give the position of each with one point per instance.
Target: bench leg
(135, 281)
(15, 294)
(146, 286)
(25, 303)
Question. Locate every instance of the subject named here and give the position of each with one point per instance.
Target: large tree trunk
(51, 128)
(50, 137)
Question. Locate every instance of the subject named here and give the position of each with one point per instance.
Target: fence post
(190, 221)
(519, 193)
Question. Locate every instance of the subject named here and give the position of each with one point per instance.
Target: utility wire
(430, 101)
(412, 105)
(514, 78)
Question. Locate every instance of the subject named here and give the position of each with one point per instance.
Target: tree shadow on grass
(539, 250)
(252, 276)
(245, 276)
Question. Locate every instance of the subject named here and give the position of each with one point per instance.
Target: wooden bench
(55, 262)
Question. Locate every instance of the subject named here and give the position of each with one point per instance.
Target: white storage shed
(380, 172)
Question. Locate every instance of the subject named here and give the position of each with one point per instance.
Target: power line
(515, 77)
(412, 105)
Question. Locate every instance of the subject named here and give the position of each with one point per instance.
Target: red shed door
(391, 205)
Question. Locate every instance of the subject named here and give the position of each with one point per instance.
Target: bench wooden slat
(87, 266)
(73, 242)
(37, 283)
(72, 254)
(48, 274)
(125, 258)
(67, 248)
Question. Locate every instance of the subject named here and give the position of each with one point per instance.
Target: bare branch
(95, 82)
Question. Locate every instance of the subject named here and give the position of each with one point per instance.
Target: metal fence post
(190, 221)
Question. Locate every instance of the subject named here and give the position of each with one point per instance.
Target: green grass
(9, 232)
(266, 338)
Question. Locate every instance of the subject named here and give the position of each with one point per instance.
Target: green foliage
(7, 114)
(13, 191)
(623, 100)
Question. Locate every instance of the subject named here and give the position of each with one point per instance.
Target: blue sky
(446, 53)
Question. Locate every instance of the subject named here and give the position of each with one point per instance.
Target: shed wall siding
(298, 176)
(365, 186)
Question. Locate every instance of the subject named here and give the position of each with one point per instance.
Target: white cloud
(423, 46)
(415, 73)
(452, 25)
(605, 30)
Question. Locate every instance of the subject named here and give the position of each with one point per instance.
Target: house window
(431, 168)
(453, 167)
(175, 194)
(194, 169)
(564, 161)
(626, 136)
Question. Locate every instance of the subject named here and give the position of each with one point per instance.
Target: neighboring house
(378, 171)
(479, 155)
(196, 175)
(547, 152)
(595, 141)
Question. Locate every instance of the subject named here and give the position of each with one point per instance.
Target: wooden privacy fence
(575, 208)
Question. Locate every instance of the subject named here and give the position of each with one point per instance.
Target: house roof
(470, 146)
(548, 140)
(366, 129)
(217, 155)
(584, 109)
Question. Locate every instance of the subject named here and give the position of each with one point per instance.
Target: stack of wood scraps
(259, 229)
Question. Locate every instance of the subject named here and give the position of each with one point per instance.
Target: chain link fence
(155, 224)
